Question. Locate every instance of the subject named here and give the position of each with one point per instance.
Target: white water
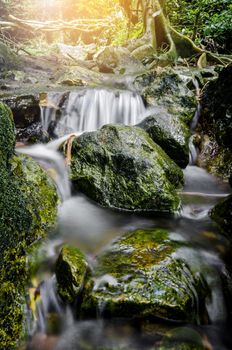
(92, 227)
(53, 162)
(87, 110)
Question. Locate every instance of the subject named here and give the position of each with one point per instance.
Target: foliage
(207, 21)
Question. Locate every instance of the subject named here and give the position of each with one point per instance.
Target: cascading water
(53, 162)
(82, 223)
(87, 110)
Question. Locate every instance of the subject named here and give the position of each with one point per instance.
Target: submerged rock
(147, 281)
(71, 272)
(121, 167)
(171, 134)
(222, 215)
(28, 205)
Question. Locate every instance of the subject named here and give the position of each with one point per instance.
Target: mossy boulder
(121, 167)
(222, 215)
(28, 205)
(7, 135)
(71, 272)
(171, 134)
(170, 89)
(147, 281)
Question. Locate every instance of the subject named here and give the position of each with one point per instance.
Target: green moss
(7, 135)
(28, 205)
(120, 166)
(147, 281)
(71, 272)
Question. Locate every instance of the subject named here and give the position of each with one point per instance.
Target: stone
(216, 123)
(28, 208)
(25, 108)
(32, 134)
(222, 215)
(117, 60)
(71, 272)
(147, 280)
(168, 88)
(171, 134)
(121, 167)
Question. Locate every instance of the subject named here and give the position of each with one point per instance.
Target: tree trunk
(166, 42)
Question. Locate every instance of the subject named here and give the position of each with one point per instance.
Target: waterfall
(50, 304)
(53, 162)
(87, 110)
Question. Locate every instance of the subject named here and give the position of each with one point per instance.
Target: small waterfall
(87, 110)
(193, 154)
(48, 107)
(53, 162)
(197, 114)
(50, 305)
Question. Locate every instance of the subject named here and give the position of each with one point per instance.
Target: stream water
(84, 224)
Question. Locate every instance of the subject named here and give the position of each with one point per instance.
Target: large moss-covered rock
(7, 135)
(222, 215)
(171, 134)
(121, 167)
(28, 204)
(139, 276)
(71, 272)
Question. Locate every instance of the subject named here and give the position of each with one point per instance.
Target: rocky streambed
(140, 264)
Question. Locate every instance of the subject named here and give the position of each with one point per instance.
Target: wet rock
(71, 272)
(147, 281)
(171, 134)
(117, 60)
(25, 108)
(184, 338)
(168, 88)
(222, 215)
(216, 123)
(32, 134)
(121, 167)
(28, 205)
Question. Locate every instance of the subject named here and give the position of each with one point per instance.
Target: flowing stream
(84, 224)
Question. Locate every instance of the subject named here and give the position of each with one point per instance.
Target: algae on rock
(28, 205)
(71, 272)
(121, 167)
(148, 281)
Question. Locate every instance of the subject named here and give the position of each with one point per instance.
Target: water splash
(87, 110)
